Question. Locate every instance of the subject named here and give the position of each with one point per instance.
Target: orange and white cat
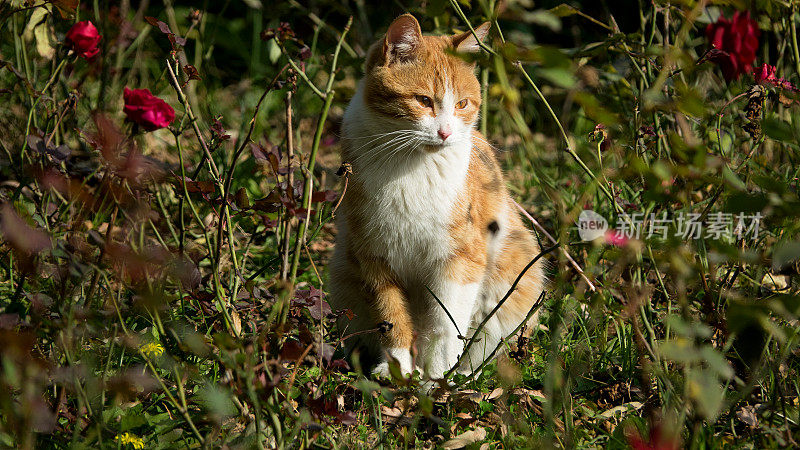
(426, 211)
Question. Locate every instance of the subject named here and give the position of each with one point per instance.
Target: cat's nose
(445, 132)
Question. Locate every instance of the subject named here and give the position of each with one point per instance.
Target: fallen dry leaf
(497, 392)
(748, 416)
(465, 438)
(394, 415)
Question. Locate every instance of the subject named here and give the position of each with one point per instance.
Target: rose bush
(83, 38)
(147, 110)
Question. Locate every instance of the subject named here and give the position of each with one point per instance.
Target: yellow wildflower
(127, 438)
(152, 349)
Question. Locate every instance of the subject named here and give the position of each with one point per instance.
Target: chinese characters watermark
(718, 225)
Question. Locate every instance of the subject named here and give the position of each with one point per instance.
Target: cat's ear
(402, 39)
(466, 42)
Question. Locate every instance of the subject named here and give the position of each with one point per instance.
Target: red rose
(656, 440)
(147, 110)
(738, 40)
(83, 38)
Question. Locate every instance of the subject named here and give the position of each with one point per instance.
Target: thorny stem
(308, 174)
(49, 83)
(222, 301)
(301, 73)
(229, 179)
(106, 243)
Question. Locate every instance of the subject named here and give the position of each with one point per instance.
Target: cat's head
(421, 83)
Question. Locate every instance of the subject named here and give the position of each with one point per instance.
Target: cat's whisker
(377, 139)
(380, 150)
(344, 138)
(381, 146)
(480, 139)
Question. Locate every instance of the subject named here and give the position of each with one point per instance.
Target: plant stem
(795, 50)
(308, 173)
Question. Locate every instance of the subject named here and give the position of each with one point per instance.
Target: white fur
(441, 336)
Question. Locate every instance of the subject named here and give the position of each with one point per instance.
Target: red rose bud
(83, 38)
(737, 39)
(147, 110)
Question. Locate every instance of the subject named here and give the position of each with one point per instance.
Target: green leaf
(563, 10)
(366, 386)
(558, 76)
(778, 130)
(217, 400)
(733, 179)
(706, 391)
(132, 418)
(716, 362)
(785, 253)
(545, 18)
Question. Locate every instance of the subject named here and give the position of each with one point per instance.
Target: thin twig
(510, 291)
(182, 97)
(287, 219)
(445, 310)
(541, 229)
(348, 170)
(535, 307)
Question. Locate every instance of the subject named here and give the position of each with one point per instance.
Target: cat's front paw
(382, 370)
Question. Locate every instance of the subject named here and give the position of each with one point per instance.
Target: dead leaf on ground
(394, 415)
(465, 438)
(748, 416)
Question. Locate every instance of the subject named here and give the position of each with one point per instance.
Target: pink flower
(147, 110)
(737, 39)
(83, 38)
(615, 238)
(766, 74)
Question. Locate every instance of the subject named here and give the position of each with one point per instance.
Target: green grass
(140, 309)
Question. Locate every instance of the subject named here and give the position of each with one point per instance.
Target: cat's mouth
(433, 148)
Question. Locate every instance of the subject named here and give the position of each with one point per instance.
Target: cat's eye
(425, 101)
(462, 104)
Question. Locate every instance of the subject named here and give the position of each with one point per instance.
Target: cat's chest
(408, 215)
